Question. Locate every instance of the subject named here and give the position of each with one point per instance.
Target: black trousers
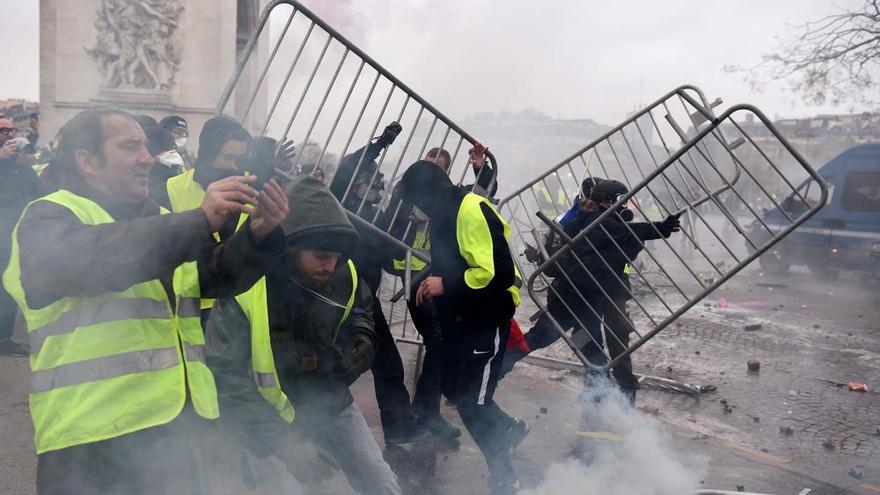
(395, 410)
(426, 400)
(472, 357)
(162, 460)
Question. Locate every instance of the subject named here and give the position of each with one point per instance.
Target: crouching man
(295, 342)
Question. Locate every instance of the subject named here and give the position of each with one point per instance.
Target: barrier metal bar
(318, 85)
(755, 238)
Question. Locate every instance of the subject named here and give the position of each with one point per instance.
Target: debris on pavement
(558, 377)
(754, 366)
(857, 387)
(543, 410)
(752, 327)
(828, 444)
(786, 431)
(855, 473)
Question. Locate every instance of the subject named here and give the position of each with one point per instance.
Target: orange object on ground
(858, 387)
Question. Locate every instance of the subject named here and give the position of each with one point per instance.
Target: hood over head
(214, 135)
(427, 186)
(317, 220)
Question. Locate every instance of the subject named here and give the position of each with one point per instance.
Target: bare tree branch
(832, 59)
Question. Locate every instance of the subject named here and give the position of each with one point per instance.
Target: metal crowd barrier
(299, 79)
(722, 173)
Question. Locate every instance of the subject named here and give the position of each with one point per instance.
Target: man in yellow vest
(285, 352)
(109, 290)
(474, 286)
(223, 145)
(410, 225)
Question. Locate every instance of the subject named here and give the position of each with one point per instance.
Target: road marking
(601, 435)
(756, 453)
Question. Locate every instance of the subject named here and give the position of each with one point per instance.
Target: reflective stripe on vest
(186, 194)
(108, 365)
(475, 244)
(421, 242)
(255, 306)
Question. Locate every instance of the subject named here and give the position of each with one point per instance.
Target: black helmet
(587, 186)
(608, 190)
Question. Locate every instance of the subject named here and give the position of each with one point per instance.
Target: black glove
(670, 225)
(389, 134)
(307, 462)
(356, 359)
(532, 254)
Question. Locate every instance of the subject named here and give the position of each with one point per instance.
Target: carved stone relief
(137, 45)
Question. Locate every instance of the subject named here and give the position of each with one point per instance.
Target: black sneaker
(516, 433)
(509, 485)
(10, 348)
(401, 436)
(439, 427)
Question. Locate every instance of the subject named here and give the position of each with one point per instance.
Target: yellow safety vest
(475, 244)
(561, 200)
(256, 307)
(108, 365)
(186, 194)
(421, 242)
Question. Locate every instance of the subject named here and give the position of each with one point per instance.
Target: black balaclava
(427, 186)
(214, 135)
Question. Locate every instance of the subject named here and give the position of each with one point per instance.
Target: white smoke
(623, 452)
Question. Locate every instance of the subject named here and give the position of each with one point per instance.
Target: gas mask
(370, 193)
(170, 158)
(181, 142)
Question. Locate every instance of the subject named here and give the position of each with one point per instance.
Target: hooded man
(358, 185)
(473, 284)
(223, 145)
(285, 353)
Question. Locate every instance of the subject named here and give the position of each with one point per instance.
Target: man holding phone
(18, 186)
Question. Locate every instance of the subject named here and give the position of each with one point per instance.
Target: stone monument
(154, 57)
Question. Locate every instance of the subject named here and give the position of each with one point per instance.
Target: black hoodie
(428, 187)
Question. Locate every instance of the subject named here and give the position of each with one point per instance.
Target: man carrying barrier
(590, 284)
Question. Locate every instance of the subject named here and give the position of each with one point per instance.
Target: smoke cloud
(622, 452)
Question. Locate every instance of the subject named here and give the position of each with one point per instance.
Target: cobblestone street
(815, 336)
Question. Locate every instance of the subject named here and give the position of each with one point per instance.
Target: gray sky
(566, 58)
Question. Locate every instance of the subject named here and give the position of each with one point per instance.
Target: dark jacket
(397, 215)
(429, 188)
(614, 241)
(19, 185)
(62, 257)
(159, 175)
(301, 326)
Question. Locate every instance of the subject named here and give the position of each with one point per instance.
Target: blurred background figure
(179, 130)
(169, 163)
(18, 186)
